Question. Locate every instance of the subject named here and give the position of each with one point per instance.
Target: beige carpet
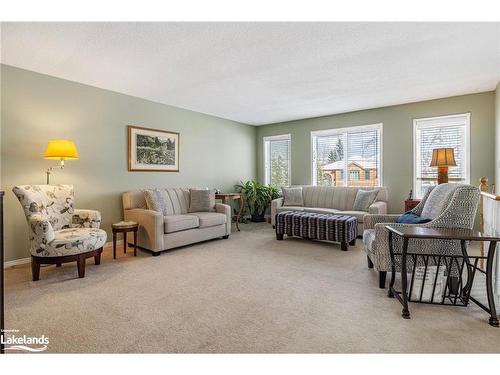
(249, 293)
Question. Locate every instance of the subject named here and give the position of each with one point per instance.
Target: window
(277, 160)
(352, 152)
(436, 132)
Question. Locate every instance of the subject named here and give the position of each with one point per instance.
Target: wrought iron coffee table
(459, 292)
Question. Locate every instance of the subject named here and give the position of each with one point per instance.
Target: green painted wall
(397, 139)
(213, 152)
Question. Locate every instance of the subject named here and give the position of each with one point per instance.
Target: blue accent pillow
(411, 218)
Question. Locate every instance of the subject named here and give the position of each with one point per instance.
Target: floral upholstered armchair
(447, 205)
(58, 232)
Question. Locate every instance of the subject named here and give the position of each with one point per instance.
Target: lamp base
(442, 175)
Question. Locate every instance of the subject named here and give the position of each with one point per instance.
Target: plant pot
(258, 218)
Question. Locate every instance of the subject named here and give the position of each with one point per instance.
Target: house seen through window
(353, 152)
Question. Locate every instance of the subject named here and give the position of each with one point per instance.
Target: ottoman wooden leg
(279, 236)
(344, 246)
(353, 242)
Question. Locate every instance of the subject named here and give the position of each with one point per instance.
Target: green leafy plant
(258, 197)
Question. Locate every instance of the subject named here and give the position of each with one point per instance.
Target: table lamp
(60, 149)
(442, 158)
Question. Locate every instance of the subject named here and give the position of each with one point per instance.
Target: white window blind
(347, 156)
(437, 132)
(277, 160)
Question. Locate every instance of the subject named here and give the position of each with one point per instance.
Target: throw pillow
(292, 196)
(364, 199)
(155, 200)
(201, 200)
(411, 218)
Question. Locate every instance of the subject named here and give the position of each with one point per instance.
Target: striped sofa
(333, 200)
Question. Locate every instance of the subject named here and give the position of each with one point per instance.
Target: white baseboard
(17, 262)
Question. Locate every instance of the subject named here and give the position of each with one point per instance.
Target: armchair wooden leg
(58, 265)
(370, 263)
(80, 262)
(35, 269)
(381, 279)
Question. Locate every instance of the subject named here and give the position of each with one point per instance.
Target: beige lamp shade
(443, 157)
(61, 149)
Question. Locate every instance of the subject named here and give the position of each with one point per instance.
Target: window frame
(279, 137)
(467, 116)
(351, 129)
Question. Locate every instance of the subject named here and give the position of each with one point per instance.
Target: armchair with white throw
(446, 205)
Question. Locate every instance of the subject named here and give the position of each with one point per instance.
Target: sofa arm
(275, 204)
(226, 210)
(378, 208)
(42, 233)
(369, 220)
(86, 219)
(151, 228)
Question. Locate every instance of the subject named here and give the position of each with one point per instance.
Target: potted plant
(258, 197)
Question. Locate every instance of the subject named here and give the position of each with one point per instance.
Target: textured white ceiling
(259, 73)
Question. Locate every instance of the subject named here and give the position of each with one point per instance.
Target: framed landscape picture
(152, 150)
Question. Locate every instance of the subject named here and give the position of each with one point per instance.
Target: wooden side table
(226, 198)
(124, 227)
(410, 204)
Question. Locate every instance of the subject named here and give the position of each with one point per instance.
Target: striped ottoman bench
(326, 227)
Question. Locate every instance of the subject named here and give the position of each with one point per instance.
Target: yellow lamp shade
(443, 157)
(61, 149)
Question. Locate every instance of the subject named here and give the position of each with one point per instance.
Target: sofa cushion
(357, 214)
(289, 208)
(292, 196)
(209, 219)
(201, 200)
(364, 198)
(437, 201)
(170, 201)
(338, 197)
(176, 223)
(319, 210)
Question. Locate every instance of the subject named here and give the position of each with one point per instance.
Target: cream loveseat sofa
(334, 200)
(179, 228)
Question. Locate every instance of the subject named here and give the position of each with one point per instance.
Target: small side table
(410, 204)
(226, 198)
(463, 262)
(124, 227)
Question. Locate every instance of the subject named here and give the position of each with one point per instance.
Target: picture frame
(152, 150)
